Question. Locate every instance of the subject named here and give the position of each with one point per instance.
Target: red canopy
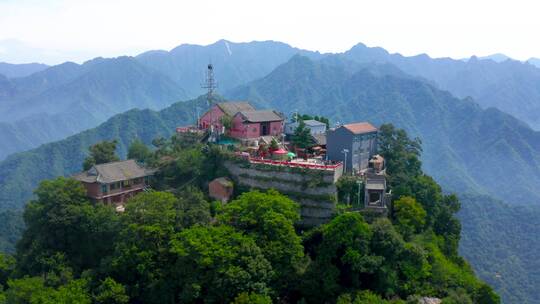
(280, 151)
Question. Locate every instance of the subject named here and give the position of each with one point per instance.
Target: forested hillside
(501, 242)
(64, 100)
(175, 246)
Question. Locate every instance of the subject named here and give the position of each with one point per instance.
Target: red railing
(293, 164)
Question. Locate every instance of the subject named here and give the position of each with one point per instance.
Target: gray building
(358, 139)
(315, 127)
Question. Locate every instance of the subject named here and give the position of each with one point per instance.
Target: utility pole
(359, 182)
(345, 151)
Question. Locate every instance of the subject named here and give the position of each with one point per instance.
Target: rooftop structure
(315, 127)
(232, 107)
(260, 116)
(360, 127)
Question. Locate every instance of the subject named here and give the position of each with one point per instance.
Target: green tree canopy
(269, 218)
(401, 153)
(217, 263)
(302, 137)
(62, 220)
(139, 151)
(100, 153)
(409, 215)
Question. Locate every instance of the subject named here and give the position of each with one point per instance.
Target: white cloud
(454, 28)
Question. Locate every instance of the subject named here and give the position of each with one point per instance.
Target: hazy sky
(55, 30)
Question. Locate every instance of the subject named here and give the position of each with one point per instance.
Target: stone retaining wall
(314, 190)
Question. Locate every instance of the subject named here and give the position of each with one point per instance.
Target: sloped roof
(360, 127)
(261, 115)
(114, 172)
(232, 107)
(320, 138)
(224, 181)
(314, 123)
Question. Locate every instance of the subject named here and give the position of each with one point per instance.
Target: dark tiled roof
(313, 123)
(232, 107)
(261, 116)
(114, 172)
(360, 127)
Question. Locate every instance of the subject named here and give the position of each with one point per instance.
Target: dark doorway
(265, 128)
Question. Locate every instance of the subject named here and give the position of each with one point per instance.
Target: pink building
(253, 124)
(213, 117)
(246, 123)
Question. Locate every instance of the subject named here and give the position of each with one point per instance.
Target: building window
(104, 188)
(115, 186)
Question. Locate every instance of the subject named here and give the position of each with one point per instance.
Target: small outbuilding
(221, 189)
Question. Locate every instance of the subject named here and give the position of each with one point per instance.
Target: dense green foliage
(101, 153)
(175, 246)
(302, 136)
(508, 261)
(139, 151)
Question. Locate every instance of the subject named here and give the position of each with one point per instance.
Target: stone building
(221, 189)
(354, 144)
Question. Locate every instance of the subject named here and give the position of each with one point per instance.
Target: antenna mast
(210, 84)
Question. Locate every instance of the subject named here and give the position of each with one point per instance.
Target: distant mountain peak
(497, 57)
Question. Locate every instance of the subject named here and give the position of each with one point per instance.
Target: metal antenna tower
(210, 83)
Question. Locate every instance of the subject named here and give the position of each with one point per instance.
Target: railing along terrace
(328, 166)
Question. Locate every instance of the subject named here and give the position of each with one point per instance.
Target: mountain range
(10, 70)
(61, 100)
(65, 99)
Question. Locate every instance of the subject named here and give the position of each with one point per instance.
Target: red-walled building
(247, 123)
(215, 114)
(113, 183)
